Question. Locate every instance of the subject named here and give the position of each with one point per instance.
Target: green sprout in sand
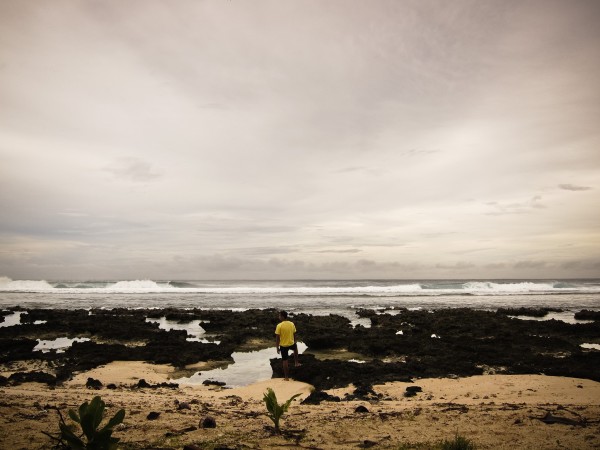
(88, 417)
(275, 410)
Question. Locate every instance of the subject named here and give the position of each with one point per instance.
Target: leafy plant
(89, 416)
(458, 443)
(275, 410)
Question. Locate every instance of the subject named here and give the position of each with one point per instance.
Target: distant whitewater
(367, 287)
(316, 297)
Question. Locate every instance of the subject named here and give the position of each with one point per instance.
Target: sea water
(311, 297)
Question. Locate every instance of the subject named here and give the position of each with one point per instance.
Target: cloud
(588, 265)
(458, 266)
(524, 207)
(349, 250)
(258, 251)
(208, 130)
(530, 265)
(133, 169)
(573, 187)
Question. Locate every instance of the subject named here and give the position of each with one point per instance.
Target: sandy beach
(496, 381)
(493, 411)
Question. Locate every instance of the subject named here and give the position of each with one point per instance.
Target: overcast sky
(299, 139)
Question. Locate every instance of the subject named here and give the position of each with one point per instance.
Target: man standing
(286, 340)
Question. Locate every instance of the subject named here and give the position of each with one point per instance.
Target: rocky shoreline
(397, 347)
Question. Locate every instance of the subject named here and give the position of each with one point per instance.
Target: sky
(299, 139)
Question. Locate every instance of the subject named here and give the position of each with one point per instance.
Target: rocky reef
(398, 346)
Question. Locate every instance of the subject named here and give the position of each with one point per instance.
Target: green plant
(275, 410)
(89, 416)
(458, 443)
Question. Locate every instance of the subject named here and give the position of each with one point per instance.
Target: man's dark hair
(283, 314)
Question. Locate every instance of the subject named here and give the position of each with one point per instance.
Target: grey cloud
(472, 250)
(133, 169)
(222, 266)
(350, 169)
(581, 265)
(257, 251)
(460, 266)
(73, 214)
(243, 142)
(573, 187)
(349, 250)
(417, 152)
(495, 266)
(516, 207)
(530, 265)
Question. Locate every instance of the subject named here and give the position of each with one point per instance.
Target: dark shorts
(285, 351)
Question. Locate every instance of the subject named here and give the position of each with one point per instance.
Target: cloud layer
(266, 139)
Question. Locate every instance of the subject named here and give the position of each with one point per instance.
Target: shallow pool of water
(247, 368)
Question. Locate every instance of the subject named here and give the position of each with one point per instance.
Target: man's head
(283, 315)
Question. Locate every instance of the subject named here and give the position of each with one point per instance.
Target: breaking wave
(6, 284)
(308, 288)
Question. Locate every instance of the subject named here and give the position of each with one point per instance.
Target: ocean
(307, 296)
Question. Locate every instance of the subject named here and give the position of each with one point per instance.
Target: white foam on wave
(508, 288)
(314, 290)
(308, 289)
(136, 285)
(6, 284)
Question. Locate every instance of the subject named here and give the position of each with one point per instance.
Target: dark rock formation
(213, 383)
(208, 422)
(465, 343)
(529, 312)
(586, 314)
(411, 391)
(143, 384)
(32, 377)
(92, 383)
(316, 397)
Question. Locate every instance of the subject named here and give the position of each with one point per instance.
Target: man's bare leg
(286, 370)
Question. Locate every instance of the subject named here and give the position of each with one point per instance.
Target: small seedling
(275, 410)
(89, 416)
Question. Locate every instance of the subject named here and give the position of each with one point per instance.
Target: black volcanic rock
(316, 397)
(32, 377)
(587, 315)
(92, 383)
(529, 312)
(329, 374)
(16, 349)
(420, 343)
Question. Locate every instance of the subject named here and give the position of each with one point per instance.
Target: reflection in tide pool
(247, 368)
(563, 316)
(15, 319)
(58, 344)
(591, 346)
(195, 332)
(12, 320)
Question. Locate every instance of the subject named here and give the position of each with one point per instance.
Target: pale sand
(494, 411)
(125, 372)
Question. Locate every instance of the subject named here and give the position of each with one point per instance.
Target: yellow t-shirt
(285, 330)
